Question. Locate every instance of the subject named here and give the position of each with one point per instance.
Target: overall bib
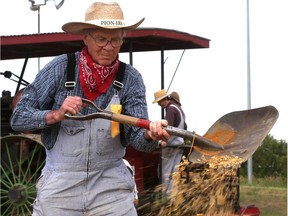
(84, 173)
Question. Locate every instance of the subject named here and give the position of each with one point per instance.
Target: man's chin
(105, 62)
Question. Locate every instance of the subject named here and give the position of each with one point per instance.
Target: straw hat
(108, 16)
(159, 95)
(175, 96)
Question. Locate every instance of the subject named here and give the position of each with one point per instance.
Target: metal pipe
(250, 160)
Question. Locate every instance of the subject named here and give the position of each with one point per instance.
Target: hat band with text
(107, 22)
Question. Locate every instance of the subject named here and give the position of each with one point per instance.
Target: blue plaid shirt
(47, 92)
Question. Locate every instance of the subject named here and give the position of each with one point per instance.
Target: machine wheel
(22, 158)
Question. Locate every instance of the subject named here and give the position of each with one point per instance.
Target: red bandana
(95, 79)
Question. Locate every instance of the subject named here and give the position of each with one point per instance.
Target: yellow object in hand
(115, 108)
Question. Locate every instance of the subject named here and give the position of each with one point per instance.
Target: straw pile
(206, 189)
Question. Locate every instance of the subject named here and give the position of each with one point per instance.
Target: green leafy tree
(270, 159)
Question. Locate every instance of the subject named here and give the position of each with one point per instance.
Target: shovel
(237, 133)
(240, 133)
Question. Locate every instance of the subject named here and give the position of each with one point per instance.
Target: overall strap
(70, 81)
(117, 84)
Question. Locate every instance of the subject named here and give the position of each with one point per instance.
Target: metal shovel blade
(240, 133)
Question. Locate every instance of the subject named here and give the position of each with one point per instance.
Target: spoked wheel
(22, 158)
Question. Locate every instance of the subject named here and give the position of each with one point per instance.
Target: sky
(211, 82)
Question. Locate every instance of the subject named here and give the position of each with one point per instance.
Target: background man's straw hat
(159, 95)
(175, 96)
(101, 15)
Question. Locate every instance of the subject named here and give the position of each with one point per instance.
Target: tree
(270, 159)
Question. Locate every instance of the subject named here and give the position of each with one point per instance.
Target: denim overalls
(84, 173)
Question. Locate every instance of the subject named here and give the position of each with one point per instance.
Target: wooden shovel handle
(129, 120)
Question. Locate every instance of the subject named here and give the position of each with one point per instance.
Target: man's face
(163, 103)
(103, 44)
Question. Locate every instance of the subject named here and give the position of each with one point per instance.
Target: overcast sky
(211, 82)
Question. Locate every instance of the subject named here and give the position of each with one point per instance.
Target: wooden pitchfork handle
(199, 141)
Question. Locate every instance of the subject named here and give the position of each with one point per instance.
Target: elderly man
(84, 172)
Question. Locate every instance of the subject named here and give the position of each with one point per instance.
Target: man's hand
(157, 131)
(71, 104)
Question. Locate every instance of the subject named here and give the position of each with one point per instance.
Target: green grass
(267, 181)
(268, 194)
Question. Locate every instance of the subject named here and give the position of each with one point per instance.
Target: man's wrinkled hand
(157, 131)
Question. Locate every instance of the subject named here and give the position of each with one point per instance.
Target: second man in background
(172, 154)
